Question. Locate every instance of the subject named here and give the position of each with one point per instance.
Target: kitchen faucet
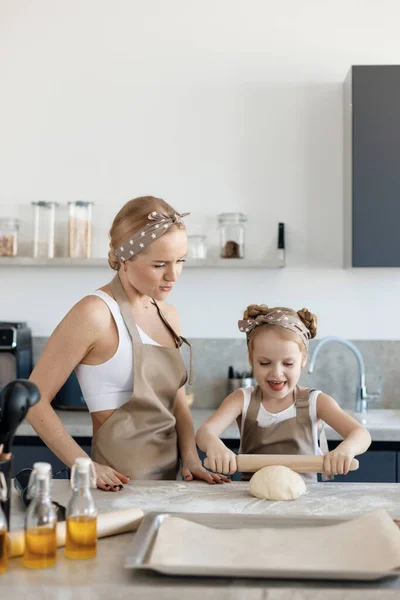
(362, 396)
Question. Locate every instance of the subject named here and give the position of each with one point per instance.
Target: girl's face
(277, 362)
(155, 270)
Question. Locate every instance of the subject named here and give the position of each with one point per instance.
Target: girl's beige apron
(293, 436)
(139, 439)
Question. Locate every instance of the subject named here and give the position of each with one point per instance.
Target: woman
(124, 343)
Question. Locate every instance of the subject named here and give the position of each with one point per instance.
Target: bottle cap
(42, 469)
(83, 465)
(41, 472)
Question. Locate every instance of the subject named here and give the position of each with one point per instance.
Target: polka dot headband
(279, 318)
(159, 223)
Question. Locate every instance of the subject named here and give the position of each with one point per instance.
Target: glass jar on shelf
(43, 229)
(9, 229)
(232, 229)
(197, 249)
(80, 229)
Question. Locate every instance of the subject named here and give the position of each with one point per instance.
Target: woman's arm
(191, 463)
(70, 343)
(356, 438)
(220, 458)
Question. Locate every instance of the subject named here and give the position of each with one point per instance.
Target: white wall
(215, 106)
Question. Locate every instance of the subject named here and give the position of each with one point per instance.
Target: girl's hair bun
(309, 320)
(254, 310)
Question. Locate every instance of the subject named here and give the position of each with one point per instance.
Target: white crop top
(110, 385)
(267, 419)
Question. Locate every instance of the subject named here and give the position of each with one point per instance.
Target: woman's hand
(337, 462)
(220, 458)
(193, 469)
(108, 479)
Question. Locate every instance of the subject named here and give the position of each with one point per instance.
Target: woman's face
(155, 270)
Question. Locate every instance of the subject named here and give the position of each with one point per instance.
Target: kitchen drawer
(27, 451)
(376, 466)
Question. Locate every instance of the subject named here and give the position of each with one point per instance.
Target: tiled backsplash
(336, 371)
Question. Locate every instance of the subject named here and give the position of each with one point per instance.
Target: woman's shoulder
(90, 310)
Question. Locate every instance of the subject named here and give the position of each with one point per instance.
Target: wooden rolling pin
(250, 463)
(119, 521)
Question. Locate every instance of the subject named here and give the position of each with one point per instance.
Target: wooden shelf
(209, 263)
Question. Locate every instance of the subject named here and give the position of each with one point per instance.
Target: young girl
(278, 416)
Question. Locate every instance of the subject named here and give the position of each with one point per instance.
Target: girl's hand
(193, 469)
(337, 462)
(108, 479)
(220, 458)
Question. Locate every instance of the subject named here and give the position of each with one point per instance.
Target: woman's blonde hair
(308, 319)
(132, 218)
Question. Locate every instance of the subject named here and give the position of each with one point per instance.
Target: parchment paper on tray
(368, 543)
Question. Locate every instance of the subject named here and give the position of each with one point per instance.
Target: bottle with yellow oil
(40, 521)
(81, 513)
(3, 526)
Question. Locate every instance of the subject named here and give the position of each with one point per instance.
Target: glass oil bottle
(81, 516)
(40, 521)
(3, 527)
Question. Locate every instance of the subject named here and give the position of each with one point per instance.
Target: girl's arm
(71, 341)
(220, 458)
(356, 438)
(191, 463)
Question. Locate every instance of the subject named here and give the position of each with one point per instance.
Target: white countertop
(104, 577)
(383, 424)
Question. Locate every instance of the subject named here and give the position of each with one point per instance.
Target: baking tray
(141, 547)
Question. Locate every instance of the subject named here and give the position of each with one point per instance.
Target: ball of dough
(277, 483)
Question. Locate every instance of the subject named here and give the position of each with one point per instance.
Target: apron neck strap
(125, 308)
(190, 360)
(302, 403)
(178, 339)
(254, 406)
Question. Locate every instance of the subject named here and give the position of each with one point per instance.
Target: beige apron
(293, 436)
(139, 439)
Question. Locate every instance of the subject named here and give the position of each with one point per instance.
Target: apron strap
(178, 340)
(185, 341)
(254, 406)
(302, 403)
(125, 308)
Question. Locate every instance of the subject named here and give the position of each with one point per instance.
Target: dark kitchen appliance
(15, 352)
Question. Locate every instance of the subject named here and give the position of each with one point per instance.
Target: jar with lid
(43, 229)
(197, 249)
(232, 230)
(9, 229)
(80, 229)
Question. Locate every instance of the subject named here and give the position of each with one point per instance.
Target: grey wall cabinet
(372, 166)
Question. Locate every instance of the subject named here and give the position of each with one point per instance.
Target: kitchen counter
(105, 577)
(383, 424)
